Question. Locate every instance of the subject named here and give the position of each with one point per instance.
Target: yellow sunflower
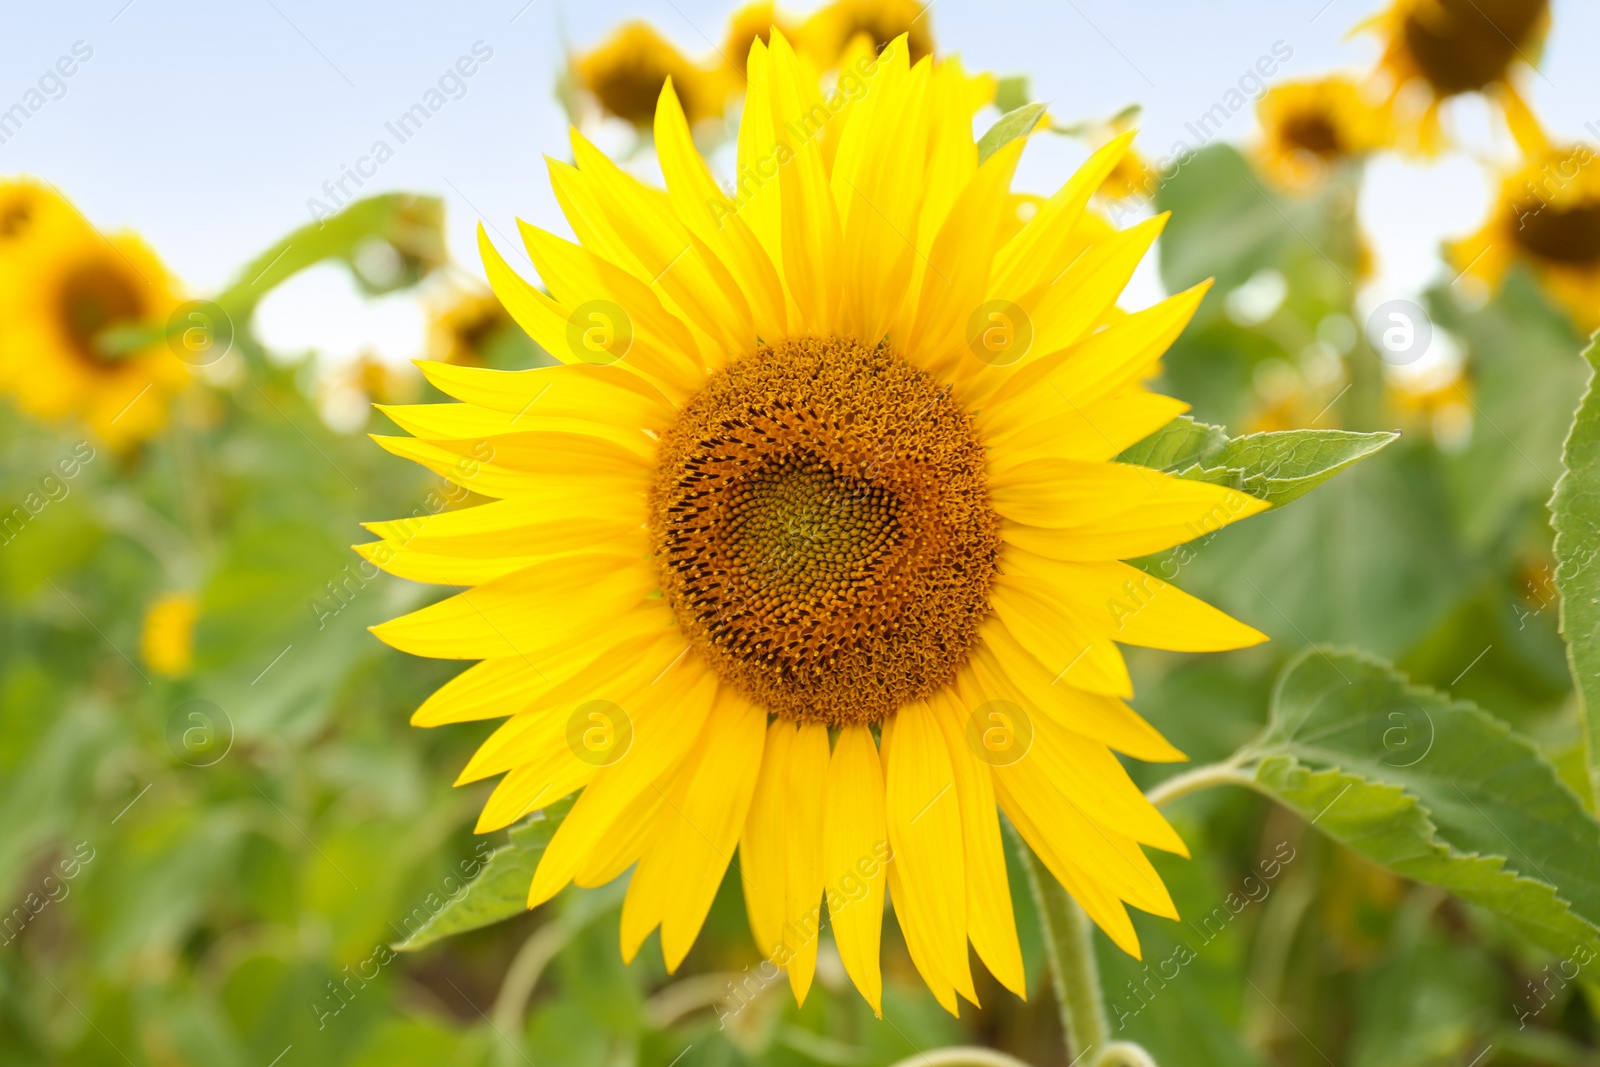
(1309, 126)
(751, 23)
(625, 73)
(61, 295)
(1449, 47)
(166, 637)
(31, 213)
(1546, 215)
(811, 549)
(826, 34)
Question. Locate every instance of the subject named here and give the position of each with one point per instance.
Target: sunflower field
(826, 598)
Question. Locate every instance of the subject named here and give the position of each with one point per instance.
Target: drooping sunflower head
(466, 327)
(827, 34)
(1309, 126)
(811, 549)
(1546, 215)
(1450, 47)
(625, 73)
(66, 290)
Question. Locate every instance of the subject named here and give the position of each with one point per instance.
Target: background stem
(1070, 949)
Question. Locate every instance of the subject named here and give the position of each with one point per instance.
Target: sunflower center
(1565, 235)
(822, 529)
(96, 296)
(1313, 132)
(1461, 46)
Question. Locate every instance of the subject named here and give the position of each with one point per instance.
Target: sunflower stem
(1069, 946)
(961, 1056)
(1228, 772)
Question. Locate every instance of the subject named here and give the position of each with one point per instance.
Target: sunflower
(751, 23)
(32, 213)
(1309, 126)
(1547, 216)
(466, 327)
(625, 73)
(827, 33)
(166, 637)
(811, 548)
(1449, 47)
(63, 290)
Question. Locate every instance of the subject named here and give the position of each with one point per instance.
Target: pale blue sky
(208, 126)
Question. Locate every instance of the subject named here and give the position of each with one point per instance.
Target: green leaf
(1286, 465)
(1008, 128)
(1575, 514)
(1436, 790)
(1276, 467)
(1180, 444)
(501, 889)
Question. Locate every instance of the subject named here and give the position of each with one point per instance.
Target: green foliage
(1435, 790)
(500, 889)
(1575, 515)
(1276, 467)
(1013, 124)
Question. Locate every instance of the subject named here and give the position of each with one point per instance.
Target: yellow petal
(1039, 251)
(1100, 903)
(1002, 670)
(535, 608)
(1099, 366)
(991, 925)
(663, 729)
(618, 851)
(1113, 859)
(1171, 514)
(923, 814)
(958, 266)
(562, 462)
(855, 852)
(714, 219)
(762, 856)
(1056, 427)
(1066, 310)
(531, 787)
(699, 830)
(605, 693)
(809, 220)
(658, 344)
(803, 797)
(1133, 607)
(1060, 638)
(521, 526)
(613, 395)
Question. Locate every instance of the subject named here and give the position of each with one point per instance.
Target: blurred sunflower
(1547, 215)
(812, 547)
(64, 292)
(30, 213)
(825, 36)
(1309, 126)
(1450, 47)
(166, 638)
(751, 23)
(466, 327)
(625, 73)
